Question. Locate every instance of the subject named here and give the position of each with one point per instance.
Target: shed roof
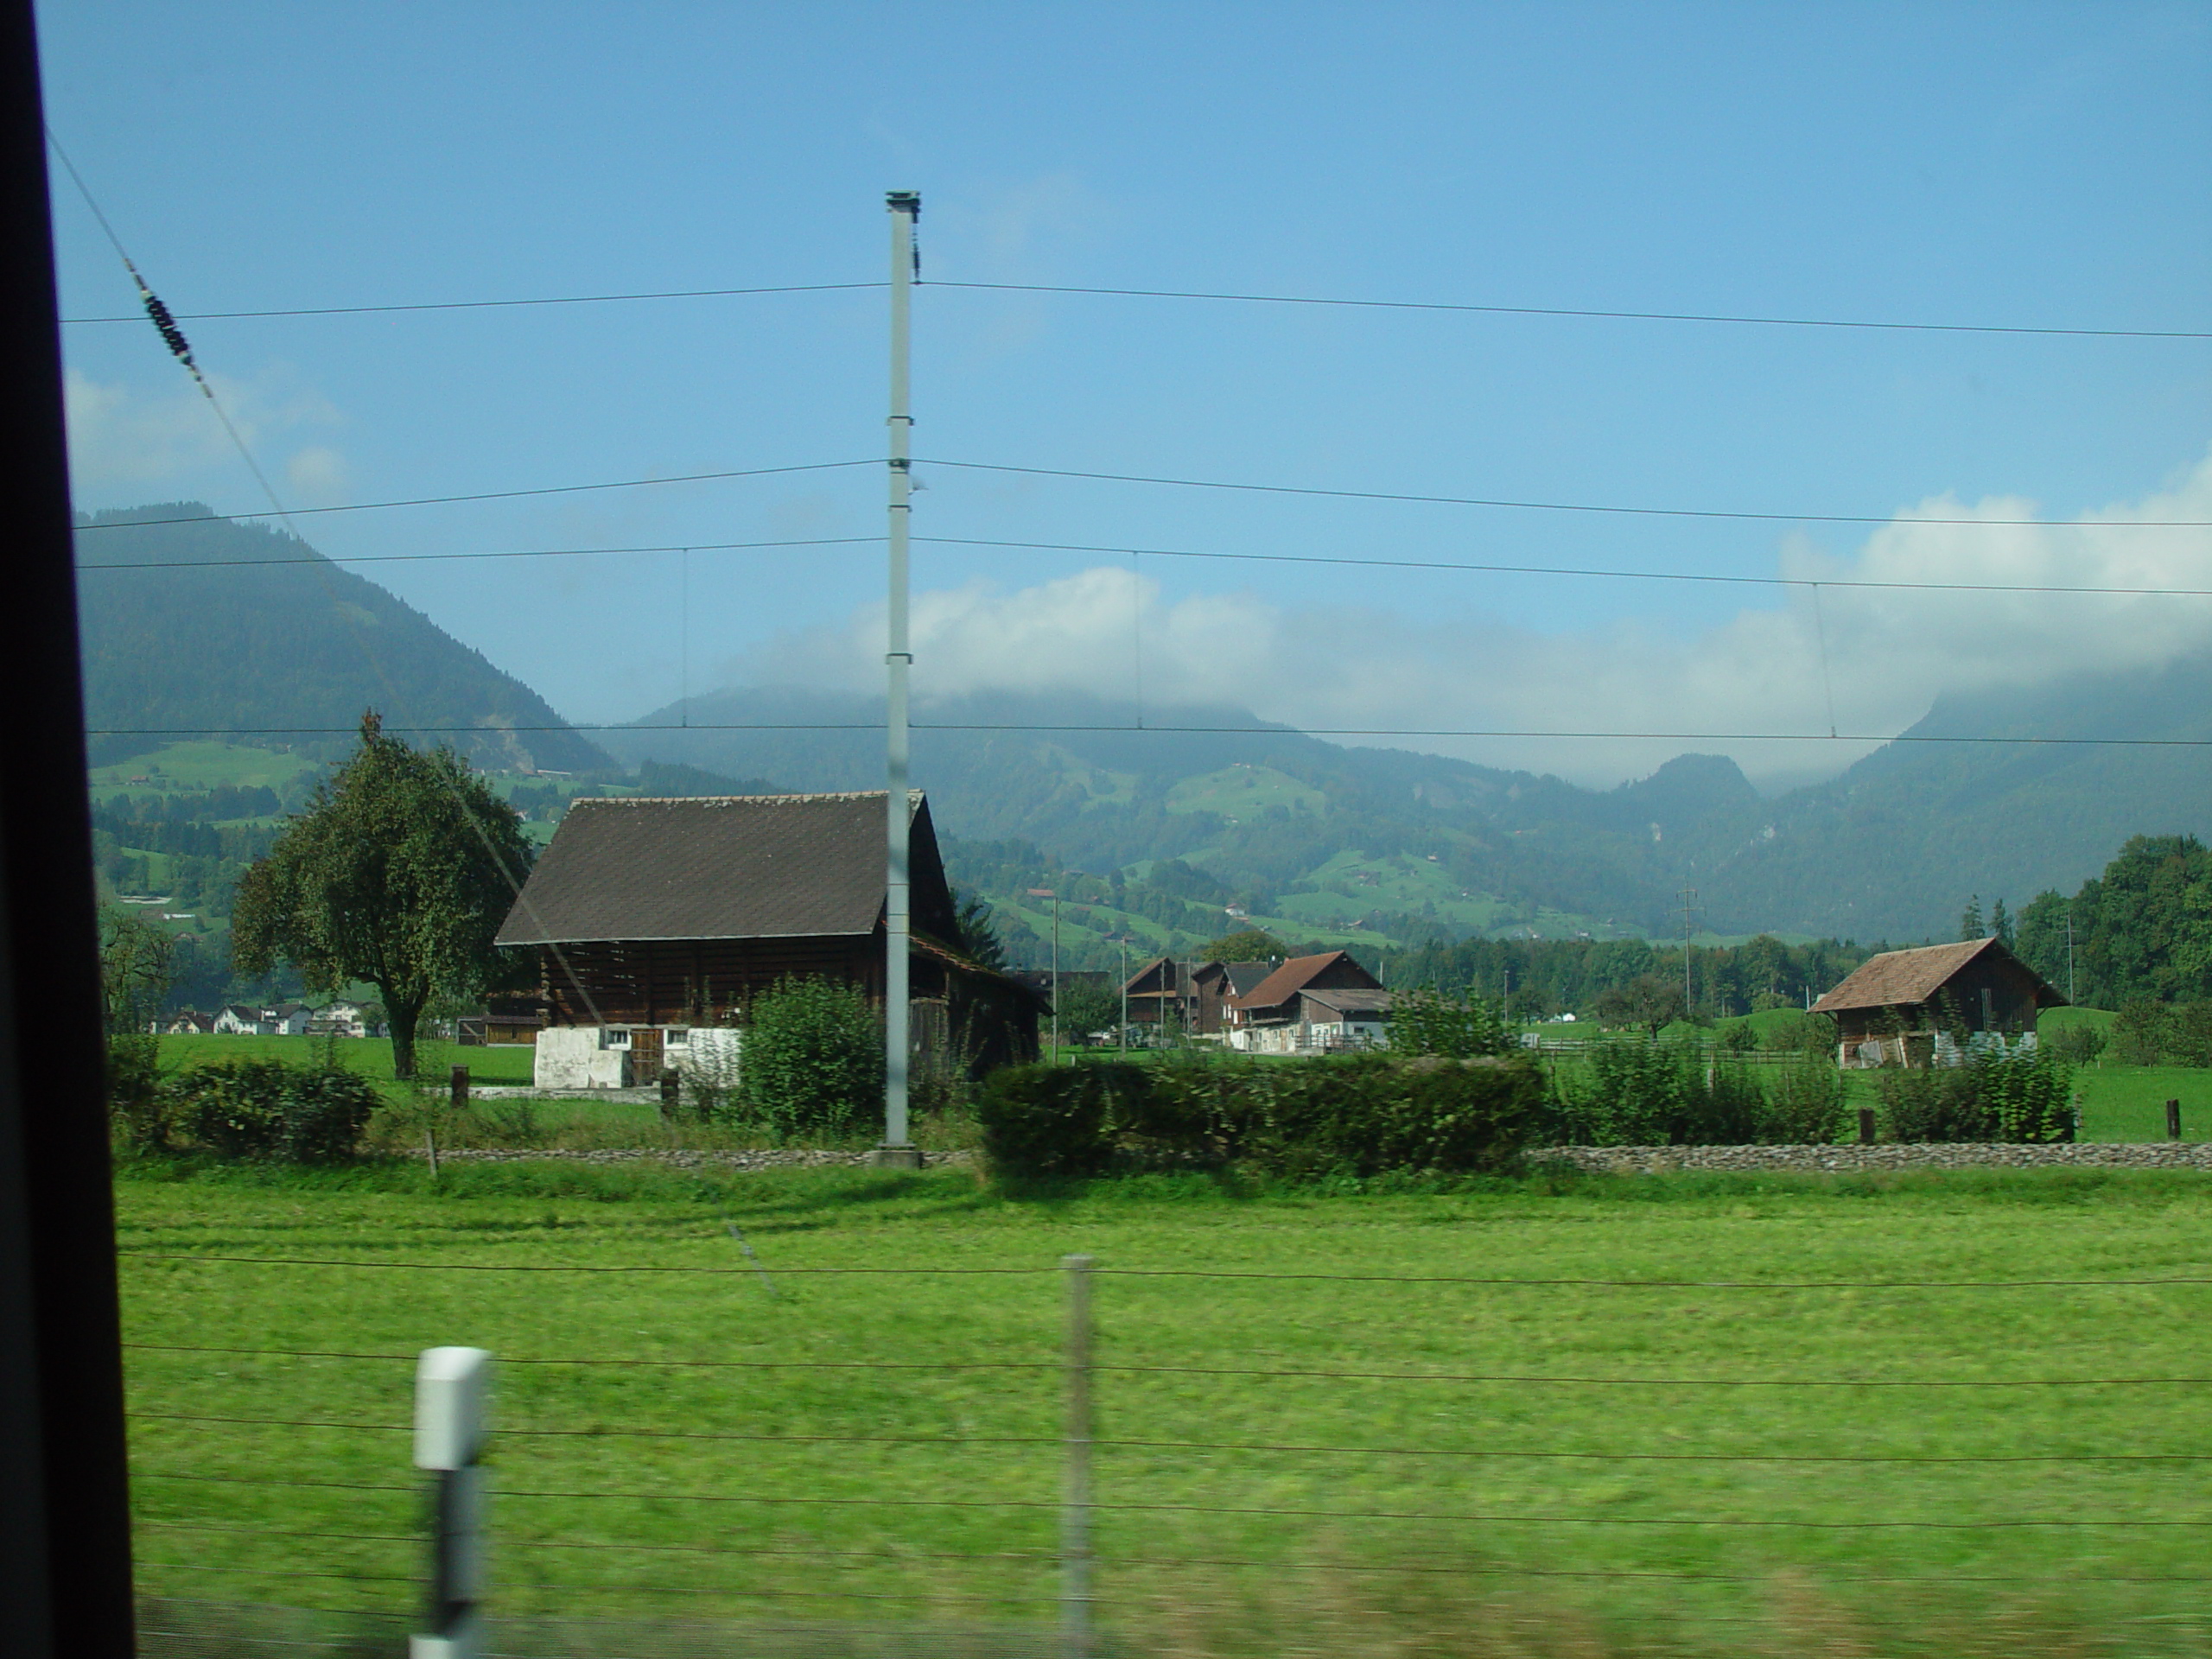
(1901, 978)
(1352, 1001)
(732, 867)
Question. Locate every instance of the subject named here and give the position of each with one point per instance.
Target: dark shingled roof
(736, 866)
(1901, 978)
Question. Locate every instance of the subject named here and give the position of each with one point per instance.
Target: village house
(242, 1020)
(1907, 1008)
(343, 1017)
(185, 1022)
(1310, 1004)
(1195, 995)
(655, 922)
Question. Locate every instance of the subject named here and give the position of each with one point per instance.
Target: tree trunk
(403, 1017)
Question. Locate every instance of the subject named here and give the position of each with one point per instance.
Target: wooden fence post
(2173, 1120)
(1865, 1126)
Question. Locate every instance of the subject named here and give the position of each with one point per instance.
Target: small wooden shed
(1902, 1006)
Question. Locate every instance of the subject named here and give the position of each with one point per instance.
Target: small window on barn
(618, 1036)
(679, 1037)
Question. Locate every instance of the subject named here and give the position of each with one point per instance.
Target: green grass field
(507, 1063)
(1368, 1460)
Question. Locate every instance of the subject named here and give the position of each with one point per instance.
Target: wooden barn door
(645, 1056)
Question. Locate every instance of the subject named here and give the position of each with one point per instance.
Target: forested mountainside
(189, 627)
(1340, 841)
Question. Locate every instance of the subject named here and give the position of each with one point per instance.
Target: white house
(343, 1017)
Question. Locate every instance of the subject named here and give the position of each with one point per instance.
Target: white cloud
(124, 443)
(1888, 653)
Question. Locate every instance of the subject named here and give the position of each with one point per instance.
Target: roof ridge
(724, 800)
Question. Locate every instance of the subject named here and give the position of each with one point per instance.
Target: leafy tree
(1086, 1006)
(1652, 1000)
(812, 1059)
(398, 874)
(1247, 945)
(138, 961)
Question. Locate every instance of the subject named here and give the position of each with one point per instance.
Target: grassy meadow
(1372, 1460)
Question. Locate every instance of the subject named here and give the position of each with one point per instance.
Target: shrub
(267, 1110)
(1637, 1095)
(813, 1057)
(1739, 1039)
(1052, 1120)
(1362, 1115)
(2023, 1097)
(2189, 1035)
(2140, 1034)
(1357, 1115)
(1460, 1028)
(2075, 1044)
(138, 1110)
(1806, 1108)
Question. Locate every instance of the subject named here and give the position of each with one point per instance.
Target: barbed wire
(615, 1361)
(1200, 1272)
(603, 1432)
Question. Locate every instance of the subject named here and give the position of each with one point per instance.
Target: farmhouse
(1310, 1003)
(1904, 1008)
(1195, 994)
(655, 922)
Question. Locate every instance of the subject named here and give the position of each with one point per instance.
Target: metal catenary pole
(905, 207)
(1075, 1508)
(452, 1393)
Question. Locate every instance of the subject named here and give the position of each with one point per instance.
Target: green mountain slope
(1321, 841)
(185, 631)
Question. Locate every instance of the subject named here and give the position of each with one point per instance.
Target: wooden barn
(1904, 1008)
(1195, 994)
(655, 922)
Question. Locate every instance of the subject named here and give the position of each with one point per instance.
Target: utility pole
(1124, 943)
(2069, 952)
(1053, 894)
(1690, 905)
(905, 207)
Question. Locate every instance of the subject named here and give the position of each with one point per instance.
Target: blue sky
(2020, 164)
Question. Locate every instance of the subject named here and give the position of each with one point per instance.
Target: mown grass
(1389, 1515)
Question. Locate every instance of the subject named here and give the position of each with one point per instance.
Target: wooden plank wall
(703, 982)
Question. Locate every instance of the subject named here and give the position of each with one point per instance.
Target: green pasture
(202, 764)
(1395, 1454)
(504, 1064)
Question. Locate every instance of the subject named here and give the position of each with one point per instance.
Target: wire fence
(992, 1467)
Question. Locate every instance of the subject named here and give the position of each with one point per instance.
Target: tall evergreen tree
(1970, 926)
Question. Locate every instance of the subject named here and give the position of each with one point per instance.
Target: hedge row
(1356, 1114)
(257, 1110)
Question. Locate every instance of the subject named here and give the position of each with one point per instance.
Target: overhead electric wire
(1481, 569)
(509, 553)
(1862, 324)
(492, 495)
(1472, 567)
(1505, 502)
(1155, 730)
(493, 305)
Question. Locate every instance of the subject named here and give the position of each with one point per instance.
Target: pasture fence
(636, 1553)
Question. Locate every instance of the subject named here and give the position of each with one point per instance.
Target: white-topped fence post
(453, 1389)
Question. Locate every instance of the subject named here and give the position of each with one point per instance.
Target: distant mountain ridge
(184, 629)
(187, 629)
(1889, 850)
